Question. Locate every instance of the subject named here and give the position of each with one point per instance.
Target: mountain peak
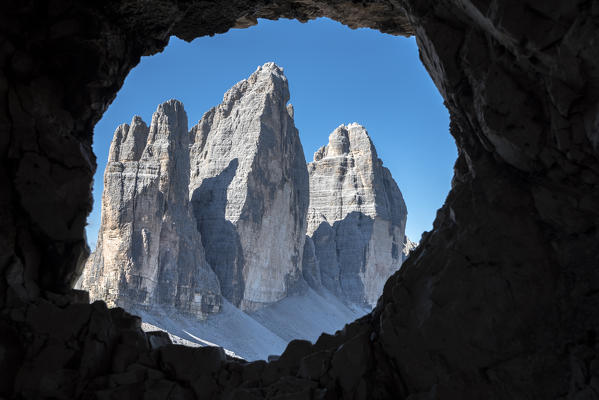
(356, 217)
(270, 66)
(171, 107)
(346, 139)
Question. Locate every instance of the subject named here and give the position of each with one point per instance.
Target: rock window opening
(497, 301)
(226, 231)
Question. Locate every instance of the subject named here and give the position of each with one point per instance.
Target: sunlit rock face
(499, 301)
(149, 251)
(249, 190)
(356, 219)
(408, 247)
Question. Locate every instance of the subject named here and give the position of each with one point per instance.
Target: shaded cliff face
(356, 219)
(408, 247)
(470, 300)
(249, 190)
(222, 210)
(149, 251)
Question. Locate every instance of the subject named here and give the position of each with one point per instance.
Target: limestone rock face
(249, 190)
(311, 265)
(519, 81)
(357, 216)
(149, 251)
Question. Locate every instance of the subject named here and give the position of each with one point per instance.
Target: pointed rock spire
(357, 217)
(249, 190)
(149, 251)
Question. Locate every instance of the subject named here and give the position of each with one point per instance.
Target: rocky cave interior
(499, 300)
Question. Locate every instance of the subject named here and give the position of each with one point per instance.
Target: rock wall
(247, 183)
(249, 190)
(149, 251)
(499, 301)
(408, 247)
(357, 217)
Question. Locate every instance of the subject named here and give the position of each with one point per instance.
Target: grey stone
(149, 251)
(249, 190)
(310, 265)
(187, 364)
(509, 271)
(408, 246)
(157, 339)
(356, 219)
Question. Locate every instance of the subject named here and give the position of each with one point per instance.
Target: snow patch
(262, 333)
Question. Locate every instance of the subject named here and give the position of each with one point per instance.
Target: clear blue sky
(336, 75)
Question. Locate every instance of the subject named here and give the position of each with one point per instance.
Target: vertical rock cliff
(356, 219)
(149, 250)
(249, 190)
(408, 247)
(230, 209)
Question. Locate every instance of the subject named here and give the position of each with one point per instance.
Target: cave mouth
(336, 76)
(498, 301)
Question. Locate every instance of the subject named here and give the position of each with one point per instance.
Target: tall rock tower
(356, 219)
(149, 251)
(230, 209)
(249, 190)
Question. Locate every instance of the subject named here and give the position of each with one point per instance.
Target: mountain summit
(149, 251)
(249, 190)
(227, 224)
(357, 217)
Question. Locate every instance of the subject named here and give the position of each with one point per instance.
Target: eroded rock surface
(356, 219)
(499, 301)
(408, 247)
(149, 251)
(249, 190)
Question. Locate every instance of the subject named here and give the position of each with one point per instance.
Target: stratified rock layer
(356, 219)
(408, 247)
(149, 251)
(499, 301)
(249, 190)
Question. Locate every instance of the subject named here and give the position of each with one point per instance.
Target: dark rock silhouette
(266, 200)
(499, 300)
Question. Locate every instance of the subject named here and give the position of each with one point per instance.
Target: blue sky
(336, 76)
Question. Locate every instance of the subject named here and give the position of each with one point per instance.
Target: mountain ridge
(228, 212)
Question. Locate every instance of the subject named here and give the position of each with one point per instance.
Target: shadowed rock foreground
(499, 300)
